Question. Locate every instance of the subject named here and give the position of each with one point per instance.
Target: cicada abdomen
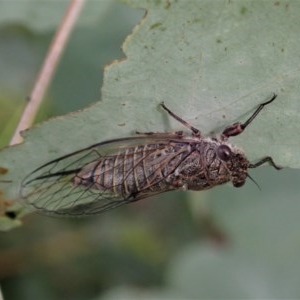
(112, 173)
(133, 170)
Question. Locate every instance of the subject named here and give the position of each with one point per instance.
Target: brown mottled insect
(116, 172)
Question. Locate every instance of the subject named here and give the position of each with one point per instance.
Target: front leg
(196, 132)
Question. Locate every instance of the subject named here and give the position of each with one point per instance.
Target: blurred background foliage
(225, 243)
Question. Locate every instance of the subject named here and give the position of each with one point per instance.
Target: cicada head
(236, 162)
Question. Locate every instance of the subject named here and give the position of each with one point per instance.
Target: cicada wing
(99, 205)
(50, 189)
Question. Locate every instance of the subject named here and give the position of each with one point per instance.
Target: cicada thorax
(208, 166)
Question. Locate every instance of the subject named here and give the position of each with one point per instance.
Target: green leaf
(7, 224)
(211, 62)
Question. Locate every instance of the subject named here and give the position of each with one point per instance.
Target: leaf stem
(46, 73)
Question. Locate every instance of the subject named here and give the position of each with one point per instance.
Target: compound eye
(239, 183)
(224, 152)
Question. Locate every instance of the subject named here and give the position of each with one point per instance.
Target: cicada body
(112, 173)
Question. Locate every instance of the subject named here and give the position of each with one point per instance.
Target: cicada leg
(267, 159)
(196, 132)
(238, 128)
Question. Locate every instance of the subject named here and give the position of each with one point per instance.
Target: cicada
(120, 171)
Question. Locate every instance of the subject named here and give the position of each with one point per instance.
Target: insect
(120, 171)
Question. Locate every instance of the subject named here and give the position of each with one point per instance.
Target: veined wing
(50, 189)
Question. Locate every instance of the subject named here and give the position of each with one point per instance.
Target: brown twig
(46, 73)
